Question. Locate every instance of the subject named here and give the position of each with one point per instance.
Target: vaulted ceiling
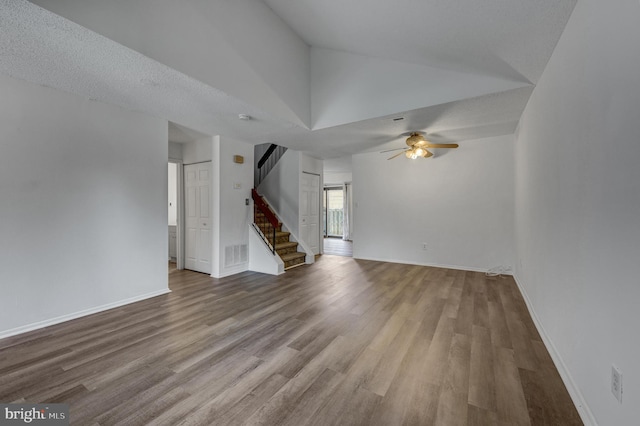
(327, 78)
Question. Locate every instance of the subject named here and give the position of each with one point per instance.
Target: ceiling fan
(418, 145)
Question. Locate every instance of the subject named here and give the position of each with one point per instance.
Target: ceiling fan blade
(400, 153)
(441, 145)
(389, 150)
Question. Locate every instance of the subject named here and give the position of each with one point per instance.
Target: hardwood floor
(337, 247)
(339, 342)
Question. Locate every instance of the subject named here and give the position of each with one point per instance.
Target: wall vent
(235, 255)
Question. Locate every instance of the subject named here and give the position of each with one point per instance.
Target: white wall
(261, 258)
(578, 204)
(83, 215)
(198, 151)
(459, 203)
(337, 170)
(281, 188)
(231, 216)
(337, 178)
(276, 53)
(310, 164)
(175, 151)
(234, 215)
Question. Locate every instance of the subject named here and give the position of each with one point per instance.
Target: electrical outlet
(616, 383)
(424, 246)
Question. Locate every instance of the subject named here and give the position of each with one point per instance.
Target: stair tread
(290, 256)
(286, 245)
(278, 233)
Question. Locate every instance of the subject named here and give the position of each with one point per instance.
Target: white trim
(232, 272)
(574, 392)
(216, 207)
(79, 314)
(180, 212)
(432, 265)
(180, 227)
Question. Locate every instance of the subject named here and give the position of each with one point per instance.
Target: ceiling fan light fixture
(416, 139)
(418, 147)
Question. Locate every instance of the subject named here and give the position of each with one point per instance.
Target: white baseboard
(79, 314)
(233, 270)
(574, 392)
(433, 265)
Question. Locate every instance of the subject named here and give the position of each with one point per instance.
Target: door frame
(179, 213)
(325, 209)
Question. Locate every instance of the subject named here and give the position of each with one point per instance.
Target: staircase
(269, 155)
(286, 249)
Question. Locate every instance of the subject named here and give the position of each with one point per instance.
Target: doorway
(333, 212)
(173, 212)
(175, 215)
(336, 223)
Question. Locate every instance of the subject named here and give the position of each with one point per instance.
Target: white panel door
(198, 237)
(310, 211)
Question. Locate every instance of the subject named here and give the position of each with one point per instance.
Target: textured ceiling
(497, 39)
(44, 48)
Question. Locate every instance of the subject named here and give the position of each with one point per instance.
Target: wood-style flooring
(340, 342)
(337, 247)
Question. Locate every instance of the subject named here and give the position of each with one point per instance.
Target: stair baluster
(266, 223)
(268, 161)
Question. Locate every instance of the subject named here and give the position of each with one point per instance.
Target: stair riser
(279, 240)
(260, 217)
(293, 262)
(287, 250)
(268, 232)
(282, 239)
(266, 226)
